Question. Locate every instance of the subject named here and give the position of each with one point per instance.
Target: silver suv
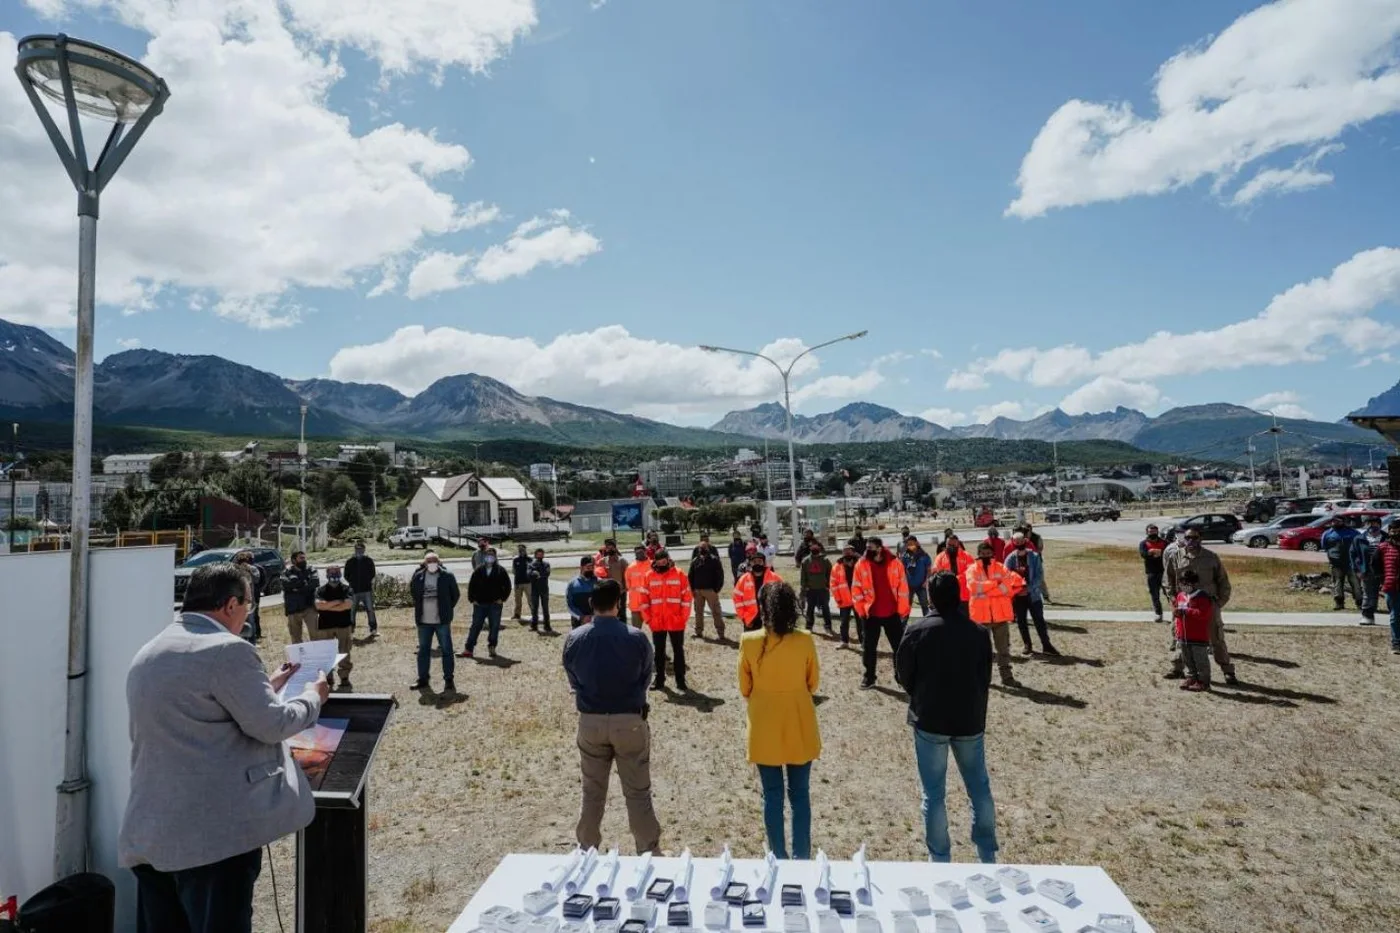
(412, 536)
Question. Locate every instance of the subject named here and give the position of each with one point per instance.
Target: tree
(214, 466)
(166, 468)
(21, 523)
(124, 509)
(348, 514)
(248, 484)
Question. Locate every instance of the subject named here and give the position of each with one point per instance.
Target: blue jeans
(1392, 601)
(798, 793)
(365, 599)
(482, 614)
(931, 752)
(443, 631)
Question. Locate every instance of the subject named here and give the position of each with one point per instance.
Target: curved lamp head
(106, 84)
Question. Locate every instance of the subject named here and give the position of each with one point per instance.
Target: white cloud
(1107, 392)
(1302, 175)
(943, 416)
(891, 359)
(1285, 404)
(932, 353)
(249, 186)
(653, 378)
(965, 381)
(128, 343)
(538, 241)
(986, 413)
(1288, 74)
(1306, 323)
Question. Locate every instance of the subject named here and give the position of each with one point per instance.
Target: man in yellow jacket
(748, 587)
(991, 589)
(880, 592)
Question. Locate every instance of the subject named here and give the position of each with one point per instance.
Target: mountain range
(151, 388)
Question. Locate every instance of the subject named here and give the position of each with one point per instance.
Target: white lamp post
(786, 373)
(87, 79)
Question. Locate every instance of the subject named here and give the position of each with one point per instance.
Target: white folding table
(1095, 892)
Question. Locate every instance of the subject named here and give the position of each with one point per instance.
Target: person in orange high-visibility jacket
(666, 610)
(991, 588)
(955, 560)
(636, 584)
(880, 592)
(842, 573)
(750, 583)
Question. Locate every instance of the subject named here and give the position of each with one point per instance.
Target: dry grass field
(1273, 806)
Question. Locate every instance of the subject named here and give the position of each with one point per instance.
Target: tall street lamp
(87, 79)
(786, 373)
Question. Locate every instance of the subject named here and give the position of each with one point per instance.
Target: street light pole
(786, 375)
(83, 77)
(301, 452)
(14, 461)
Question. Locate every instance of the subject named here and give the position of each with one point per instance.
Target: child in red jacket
(1193, 613)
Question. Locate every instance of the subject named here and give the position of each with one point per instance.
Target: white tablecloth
(1094, 890)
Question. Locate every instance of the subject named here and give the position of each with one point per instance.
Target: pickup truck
(413, 536)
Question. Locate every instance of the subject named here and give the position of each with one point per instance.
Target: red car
(1309, 537)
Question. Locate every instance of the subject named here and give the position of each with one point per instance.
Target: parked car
(267, 559)
(1328, 506)
(1379, 505)
(1213, 526)
(1293, 506)
(1102, 513)
(412, 536)
(1309, 537)
(1265, 535)
(1261, 509)
(1063, 516)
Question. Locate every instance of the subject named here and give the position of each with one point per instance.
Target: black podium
(332, 853)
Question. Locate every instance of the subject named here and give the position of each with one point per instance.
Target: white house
(120, 464)
(484, 504)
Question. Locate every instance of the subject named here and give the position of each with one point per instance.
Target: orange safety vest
(636, 577)
(840, 586)
(964, 561)
(863, 589)
(666, 604)
(746, 597)
(991, 591)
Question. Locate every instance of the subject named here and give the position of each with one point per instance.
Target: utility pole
(1253, 489)
(301, 452)
(14, 462)
(1278, 458)
(1055, 451)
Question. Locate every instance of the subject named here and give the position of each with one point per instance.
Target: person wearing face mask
(953, 559)
(703, 542)
(483, 545)
(244, 559)
(1337, 544)
(842, 573)
(609, 564)
(815, 579)
(809, 537)
(880, 592)
(706, 578)
(1152, 550)
(756, 576)
(635, 591)
(1215, 583)
(333, 610)
(666, 609)
(539, 591)
(1023, 561)
(1365, 563)
(577, 593)
(299, 585)
(487, 591)
(435, 595)
(997, 542)
(918, 567)
(738, 554)
(359, 576)
(1389, 557)
(991, 589)
(520, 572)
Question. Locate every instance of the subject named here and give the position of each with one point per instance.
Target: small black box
(576, 906)
(607, 908)
(736, 892)
(792, 895)
(841, 903)
(660, 889)
(678, 915)
(753, 913)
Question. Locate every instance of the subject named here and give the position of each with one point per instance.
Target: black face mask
(660, 566)
(760, 571)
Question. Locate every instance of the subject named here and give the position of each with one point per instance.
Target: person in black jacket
(359, 576)
(252, 627)
(944, 662)
(487, 590)
(435, 595)
(299, 585)
(520, 571)
(738, 554)
(706, 580)
(538, 573)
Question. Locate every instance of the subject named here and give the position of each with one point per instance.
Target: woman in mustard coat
(778, 674)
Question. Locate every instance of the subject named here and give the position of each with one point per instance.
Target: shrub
(391, 592)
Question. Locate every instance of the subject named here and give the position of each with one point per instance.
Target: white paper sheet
(767, 877)
(607, 874)
(557, 877)
(590, 861)
(863, 893)
(315, 658)
(726, 871)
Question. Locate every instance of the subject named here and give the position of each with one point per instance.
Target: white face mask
(490, 559)
(432, 568)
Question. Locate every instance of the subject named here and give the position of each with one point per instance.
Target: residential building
(125, 464)
(669, 476)
(53, 502)
(594, 516)
(468, 503)
(542, 472)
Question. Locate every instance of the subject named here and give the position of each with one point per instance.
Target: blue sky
(649, 176)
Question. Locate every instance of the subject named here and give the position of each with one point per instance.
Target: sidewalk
(1282, 619)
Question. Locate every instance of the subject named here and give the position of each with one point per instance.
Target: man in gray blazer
(212, 780)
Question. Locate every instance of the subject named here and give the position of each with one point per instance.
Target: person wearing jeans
(435, 595)
(1151, 549)
(880, 592)
(1022, 559)
(488, 589)
(778, 673)
(359, 575)
(944, 663)
(1389, 559)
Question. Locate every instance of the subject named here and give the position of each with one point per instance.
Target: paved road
(1128, 532)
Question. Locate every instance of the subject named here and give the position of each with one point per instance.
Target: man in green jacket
(1215, 582)
(815, 580)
